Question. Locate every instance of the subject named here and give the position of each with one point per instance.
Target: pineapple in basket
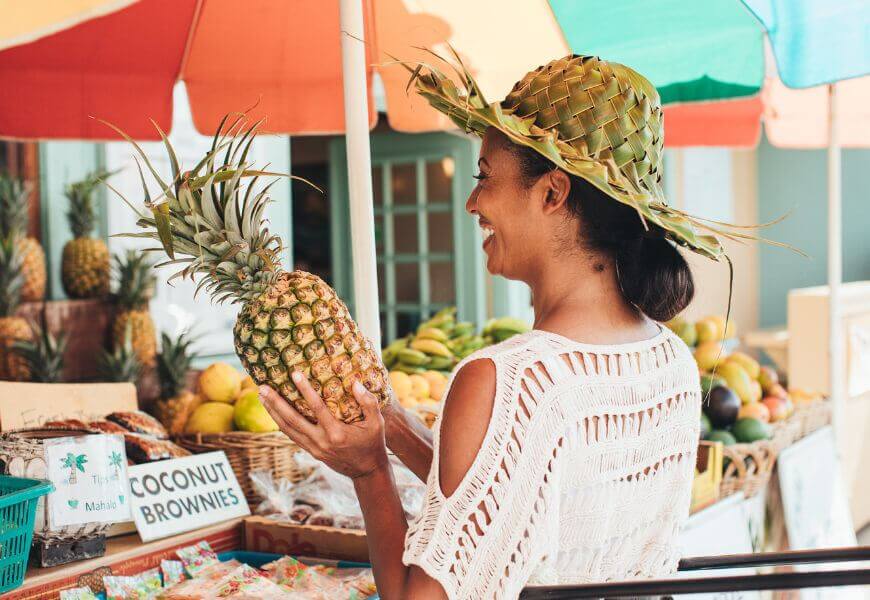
(14, 198)
(85, 263)
(12, 329)
(210, 218)
(136, 283)
(43, 354)
(176, 401)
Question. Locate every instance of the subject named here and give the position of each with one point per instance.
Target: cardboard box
(282, 537)
(125, 555)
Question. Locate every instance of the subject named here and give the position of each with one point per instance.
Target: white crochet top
(584, 474)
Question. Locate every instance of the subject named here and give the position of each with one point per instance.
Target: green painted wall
(796, 180)
(61, 163)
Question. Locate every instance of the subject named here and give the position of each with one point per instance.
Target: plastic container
(18, 498)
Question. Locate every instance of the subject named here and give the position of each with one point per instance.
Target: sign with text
(89, 473)
(815, 506)
(173, 496)
(25, 405)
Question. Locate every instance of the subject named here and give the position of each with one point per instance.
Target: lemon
(250, 414)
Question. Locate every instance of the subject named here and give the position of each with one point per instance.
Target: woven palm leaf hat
(599, 120)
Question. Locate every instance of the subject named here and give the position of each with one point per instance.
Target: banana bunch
(441, 342)
(498, 330)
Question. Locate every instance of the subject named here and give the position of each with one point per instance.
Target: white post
(359, 171)
(835, 269)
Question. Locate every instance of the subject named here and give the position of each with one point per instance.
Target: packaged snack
(139, 422)
(172, 571)
(106, 427)
(246, 583)
(300, 513)
(143, 448)
(321, 518)
(79, 593)
(144, 586)
(198, 558)
(346, 522)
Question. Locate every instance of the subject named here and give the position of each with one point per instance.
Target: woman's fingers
(324, 416)
(283, 413)
(367, 402)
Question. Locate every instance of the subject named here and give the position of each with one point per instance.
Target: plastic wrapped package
(79, 593)
(326, 497)
(143, 586)
(172, 571)
(321, 583)
(198, 558)
(241, 582)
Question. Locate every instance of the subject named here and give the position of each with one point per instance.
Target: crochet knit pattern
(584, 474)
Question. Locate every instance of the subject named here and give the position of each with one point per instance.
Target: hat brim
(473, 114)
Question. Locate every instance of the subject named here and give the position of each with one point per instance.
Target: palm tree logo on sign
(74, 462)
(115, 460)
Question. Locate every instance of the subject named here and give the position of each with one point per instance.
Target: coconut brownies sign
(89, 474)
(172, 496)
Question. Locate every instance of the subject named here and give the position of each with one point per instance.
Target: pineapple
(14, 195)
(176, 401)
(121, 365)
(12, 329)
(43, 354)
(85, 262)
(211, 219)
(136, 282)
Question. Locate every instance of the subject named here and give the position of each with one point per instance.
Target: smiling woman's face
(507, 211)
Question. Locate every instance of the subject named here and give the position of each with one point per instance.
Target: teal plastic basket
(18, 498)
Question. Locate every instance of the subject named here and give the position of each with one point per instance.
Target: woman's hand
(356, 449)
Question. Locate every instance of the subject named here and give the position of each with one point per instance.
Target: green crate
(18, 499)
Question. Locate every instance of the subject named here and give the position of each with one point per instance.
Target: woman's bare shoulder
(465, 420)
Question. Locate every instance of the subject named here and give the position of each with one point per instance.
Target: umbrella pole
(362, 219)
(835, 270)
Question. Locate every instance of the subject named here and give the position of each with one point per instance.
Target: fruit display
(43, 354)
(225, 401)
(85, 268)
(14, 200)
(706, 331)
(176, 402)
(136, 284)
(420, 363)
(12, 328)
(211, 218)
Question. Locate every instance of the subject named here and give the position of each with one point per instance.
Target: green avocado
(748, 430)
(720, 435)
(705, 426)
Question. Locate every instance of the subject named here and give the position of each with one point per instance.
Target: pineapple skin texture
(85, 268)
(142, 334)
(300, 324)
(12, 366)
(174, 412)
(32, 270)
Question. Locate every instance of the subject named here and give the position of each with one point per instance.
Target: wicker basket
(249, 452)
(749, 467)
(787, 431)
(814, 415)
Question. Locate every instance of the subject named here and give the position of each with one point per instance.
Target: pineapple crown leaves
(11, 276)
(14, 197)
(173, 363)
(136, 280)
(121, 365)
(43, 354)
(211, 218)
(81, 202)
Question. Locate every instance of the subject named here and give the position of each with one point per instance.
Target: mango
(419, 387)
(707, 354)
(249, 414)
(401, 383)
(708, 330)
(220, 383)
(738, 380)
(749, 364)
(768, 378)
(211, 417)
(756, 410)
(757, 392)
(688, 333)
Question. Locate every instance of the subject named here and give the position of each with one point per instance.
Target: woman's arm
(408, 438)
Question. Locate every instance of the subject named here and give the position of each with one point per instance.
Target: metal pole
(359, 171)
(835, 270)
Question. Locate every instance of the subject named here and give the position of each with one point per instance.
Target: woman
(564, 455)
